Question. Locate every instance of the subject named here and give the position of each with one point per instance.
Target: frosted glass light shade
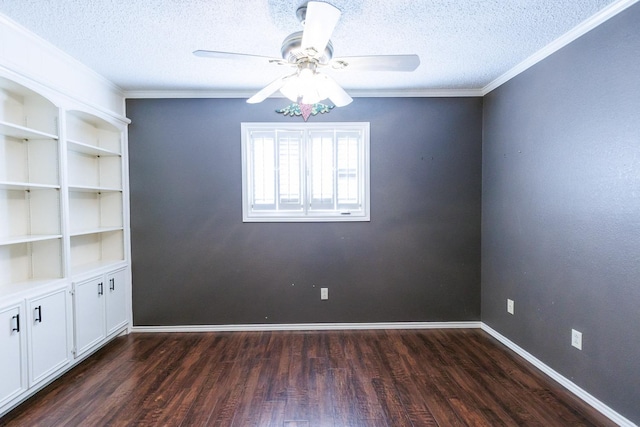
(308, 87)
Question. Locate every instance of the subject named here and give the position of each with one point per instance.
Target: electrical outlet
(324, 293)
(510, 306)
(576, 339)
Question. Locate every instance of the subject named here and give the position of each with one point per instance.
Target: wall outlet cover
(510, 306)
(324, 293)
(576, 339)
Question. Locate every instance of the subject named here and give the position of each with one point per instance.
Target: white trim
(169, 94)
(578, 31)
(568, 384)
(413, 93)
(308, 327)
(303, 211)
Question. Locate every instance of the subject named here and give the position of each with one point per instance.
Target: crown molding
(578, 31)
(417, 93)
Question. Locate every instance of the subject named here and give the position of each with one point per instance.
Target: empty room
(319, 213)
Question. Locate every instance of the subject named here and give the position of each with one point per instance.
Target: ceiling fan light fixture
(304, 89)
(307, 86)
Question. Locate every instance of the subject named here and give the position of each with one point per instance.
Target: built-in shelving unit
(63, 224)
(30, 191)
(94, 171)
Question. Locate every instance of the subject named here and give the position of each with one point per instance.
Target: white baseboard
(568, 384)
(307, 327)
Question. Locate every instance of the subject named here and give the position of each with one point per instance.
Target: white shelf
(91, 211)
(95, 231)
(104, 246)
(29, 161)
(21, 132)
(92, 135)
(89, 149)
(31, 213)
(29, 260)
(91, 171)
(14, 240)
(91, 189)
(26, 186)
(25, 113)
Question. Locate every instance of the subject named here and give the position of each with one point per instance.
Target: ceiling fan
(311, 50)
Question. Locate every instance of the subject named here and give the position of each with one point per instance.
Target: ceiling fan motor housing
(292, 50)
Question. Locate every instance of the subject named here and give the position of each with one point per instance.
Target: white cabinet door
(116, 300)
(48, 332)
(13, 375)
(89, 307)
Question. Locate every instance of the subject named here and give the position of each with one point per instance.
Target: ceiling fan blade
(320, 20)
(335, 93)
(377, 63)
(268, 90)
(236, 56)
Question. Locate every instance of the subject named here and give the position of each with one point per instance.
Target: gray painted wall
(195, 262)
(561, 211)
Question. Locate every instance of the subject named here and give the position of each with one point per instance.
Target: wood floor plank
(272, 413)
(415, 402)
(207, 401)
(322, 378)
(390, 404)
(252, 396)
(155, 380)
(321, 401)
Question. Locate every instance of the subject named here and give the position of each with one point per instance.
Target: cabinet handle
(100, 289)
(112, 284)
(39, 317)
(17, 328)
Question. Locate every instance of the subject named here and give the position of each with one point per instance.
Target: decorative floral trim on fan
(305, 110)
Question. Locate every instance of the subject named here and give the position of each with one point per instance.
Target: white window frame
(272, 208)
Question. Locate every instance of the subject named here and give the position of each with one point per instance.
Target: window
(304, 172)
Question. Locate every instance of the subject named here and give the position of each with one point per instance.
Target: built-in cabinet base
(99, 304)
(47, 331)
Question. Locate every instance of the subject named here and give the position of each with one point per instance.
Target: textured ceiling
(147, 44)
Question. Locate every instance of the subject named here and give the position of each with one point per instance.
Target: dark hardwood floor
(447, 378)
